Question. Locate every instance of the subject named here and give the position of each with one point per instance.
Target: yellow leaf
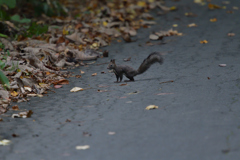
(105, 23)
(151, 1)
(203, 41)
(173, 8)
(175, 25)
(213, 19)
(65, 31)
(14, 93)
(141, 3)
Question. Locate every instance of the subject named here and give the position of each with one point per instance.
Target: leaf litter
(34, 64)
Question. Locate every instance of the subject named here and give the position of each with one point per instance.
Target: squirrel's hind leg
(131, 79)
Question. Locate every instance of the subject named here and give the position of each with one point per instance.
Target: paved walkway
(198, 116)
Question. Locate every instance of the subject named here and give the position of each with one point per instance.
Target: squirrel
(129, 72)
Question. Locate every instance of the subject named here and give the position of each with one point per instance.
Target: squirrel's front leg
(117, 78)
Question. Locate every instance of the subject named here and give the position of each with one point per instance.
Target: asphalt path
(199, 112)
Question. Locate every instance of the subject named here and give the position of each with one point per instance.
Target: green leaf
(1, 45)
(3, 35)
(2, 65)
(17, 18)
(4, 80)
(36, 29)
(9, 3)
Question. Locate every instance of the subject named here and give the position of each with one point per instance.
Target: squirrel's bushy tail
(151, 59)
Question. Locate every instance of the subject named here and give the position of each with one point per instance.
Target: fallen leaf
(164, 94)
(123, 84)
(190, 14)
(5, 142)
(135, 92)
(192, 25)
(151, 107)
(76, 89)
(166, 81)
(203, 41)
(173, 8)
(213, 6)
(32, 95)
(111, 133)
(14, 93)
(175, 25)
(213, 20)
(127, 59)
(62, 81)
(68, 120)
(82, 72)
(94, 74)
(87, 134)
(231, 34)
(15, 107)
(57, 86)
(82, 147)
(26, 114)
(28, 89)
(235, 8)
(101, 90)
(153, 37)
(78, 76)
(222, 65)
(15, 135)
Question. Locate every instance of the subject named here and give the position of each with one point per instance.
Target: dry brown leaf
(62, 81)
(231, 34)
(26, 114)
(213, 6)
(78, 76)
(94, 74)
(15, 107)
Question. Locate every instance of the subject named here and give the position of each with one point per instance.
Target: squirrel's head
(112, 64)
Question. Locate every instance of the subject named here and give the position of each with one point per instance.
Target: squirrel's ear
(113, 60)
